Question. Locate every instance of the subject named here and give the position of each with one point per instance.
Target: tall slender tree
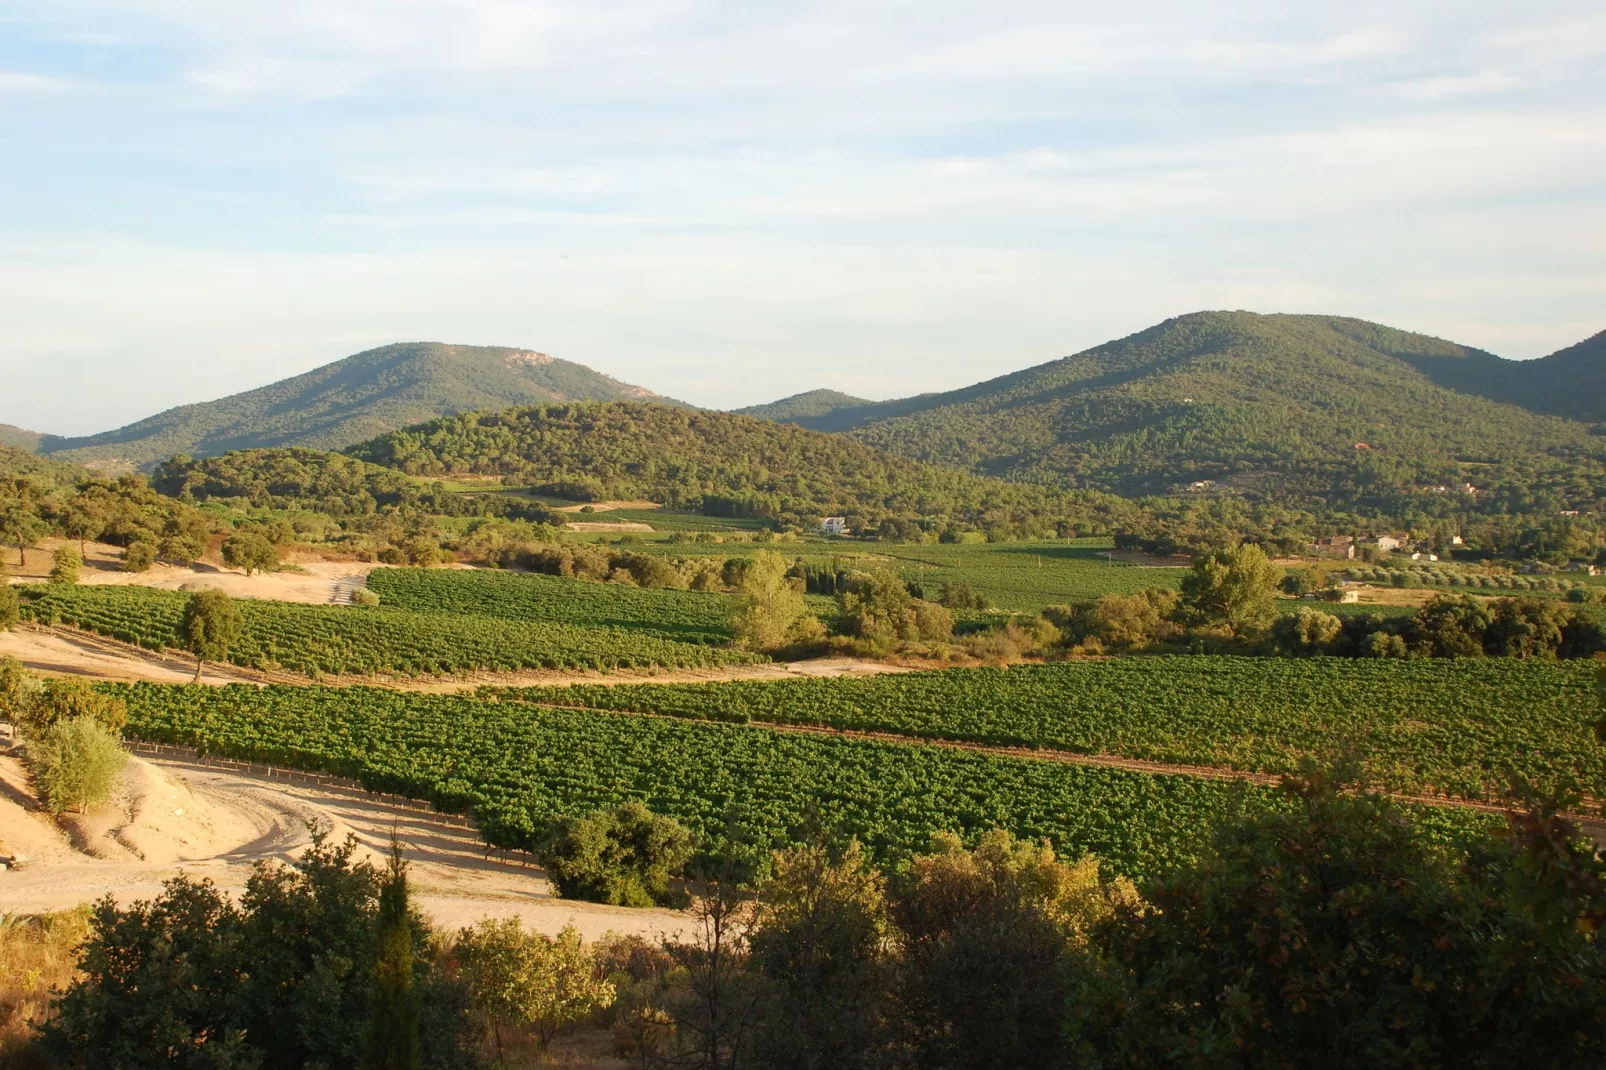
(393, 1038)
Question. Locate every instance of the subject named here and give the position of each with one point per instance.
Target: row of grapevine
(692, 616)
(349, 640)
(518, 767)
(1457, 727)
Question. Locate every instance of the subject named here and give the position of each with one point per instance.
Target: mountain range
(348, 401)
(1313, 410)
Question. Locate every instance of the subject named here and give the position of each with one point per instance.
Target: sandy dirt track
(175, 816)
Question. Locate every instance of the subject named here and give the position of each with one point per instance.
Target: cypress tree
(393, 1041)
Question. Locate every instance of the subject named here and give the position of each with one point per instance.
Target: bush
(362, 596)
(139, 557)
(10, 609)
(625, 856)
(65, 565)
(249, 551)
(75, 762)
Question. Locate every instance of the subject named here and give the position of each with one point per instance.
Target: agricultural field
(1447, 726)
(687, 616)
(518, 767)
(364, 641)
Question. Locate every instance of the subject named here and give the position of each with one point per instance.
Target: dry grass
(37, 954)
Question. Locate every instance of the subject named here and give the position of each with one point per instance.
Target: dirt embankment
(172, 816)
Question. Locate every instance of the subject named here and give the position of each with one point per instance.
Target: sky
(732, 202)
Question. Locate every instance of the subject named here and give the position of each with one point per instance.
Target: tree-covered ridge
(350, 400)
(723, 464)
(809, 403)
(43, 472)
(1308, 410)
(294, 478)
(19, 437)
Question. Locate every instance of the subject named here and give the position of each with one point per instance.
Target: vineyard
(518, 767)
(352, 641)
(688, 616)
(1454, 727)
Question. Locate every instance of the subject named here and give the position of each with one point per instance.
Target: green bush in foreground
(624, 856)
(75, 762)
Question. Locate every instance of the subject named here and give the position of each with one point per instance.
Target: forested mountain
(1316, 411)
(725, 464)
(348, 401)
(43, 472)
(809, 403)
(19, 438)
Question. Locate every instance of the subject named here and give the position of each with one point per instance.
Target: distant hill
(44, 472)
(724, 464)
(19, 438)
(1318, 411)
(348, 401)
(800, 406)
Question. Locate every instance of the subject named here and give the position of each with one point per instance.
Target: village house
(1384, 544)
(834, 525)
(1342, 546)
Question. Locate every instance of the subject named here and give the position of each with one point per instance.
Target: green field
(1450, 726)
(348, 640)
(689, 616)
(518, 767)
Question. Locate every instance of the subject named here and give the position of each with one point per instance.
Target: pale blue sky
(729, 202)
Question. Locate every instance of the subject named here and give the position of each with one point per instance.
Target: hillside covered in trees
(810, 403)
(345, 402)
(1310, 411)
(729, 465)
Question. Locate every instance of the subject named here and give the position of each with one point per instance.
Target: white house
(834, 525)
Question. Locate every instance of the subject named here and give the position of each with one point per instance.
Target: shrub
(624, 856)
(249, 551)
(75, 762)
(10, 609)
(362, 596)
(65, 564)
(139, 557)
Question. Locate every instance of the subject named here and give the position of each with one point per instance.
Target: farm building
(834, 525)
(1338, 546)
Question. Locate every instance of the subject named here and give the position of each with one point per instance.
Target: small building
(1456, 540)
(1201, 484)
(1341, 546)
(1348, 594)
(1385, 544)
(834, 525)
(1362, 446)
(1424, 555)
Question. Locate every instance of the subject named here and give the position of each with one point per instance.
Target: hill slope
(19, 438)
(348, 401)
(727, 465)
(1309, 410)
(799, 406)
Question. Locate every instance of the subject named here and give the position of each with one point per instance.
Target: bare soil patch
(608, 506)
(603, 525)
(173, 816)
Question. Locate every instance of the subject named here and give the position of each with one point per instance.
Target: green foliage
(526, 980)
(139, 557)
(348, 640)
(210, 626)
(673, 614)
(251, 552)
(519, 769)
(625, 856)
(65, 565)
(1237, 588)
(724, 465)
(1270, 406)
(10, 606)
(284, 979)
(393, 1041)
(770, 604)
(75, 761)
(1308, 631)
(809, 403)
(1454, 727)
(349, 400)
(1335, 935)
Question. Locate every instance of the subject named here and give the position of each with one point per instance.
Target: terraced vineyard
(518, 767)
(688, 616)
(1448, 726)
(346, 640)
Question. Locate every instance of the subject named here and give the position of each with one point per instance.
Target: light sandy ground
(602, 525)
(66, 652)
(608, 506)
(171, 817)
(308, 581)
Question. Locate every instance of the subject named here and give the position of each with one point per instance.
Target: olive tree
(210, 626)
(250, 551)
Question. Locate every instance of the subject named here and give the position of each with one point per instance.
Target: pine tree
(393, 1040)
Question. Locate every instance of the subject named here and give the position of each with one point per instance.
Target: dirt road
(174, 816)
